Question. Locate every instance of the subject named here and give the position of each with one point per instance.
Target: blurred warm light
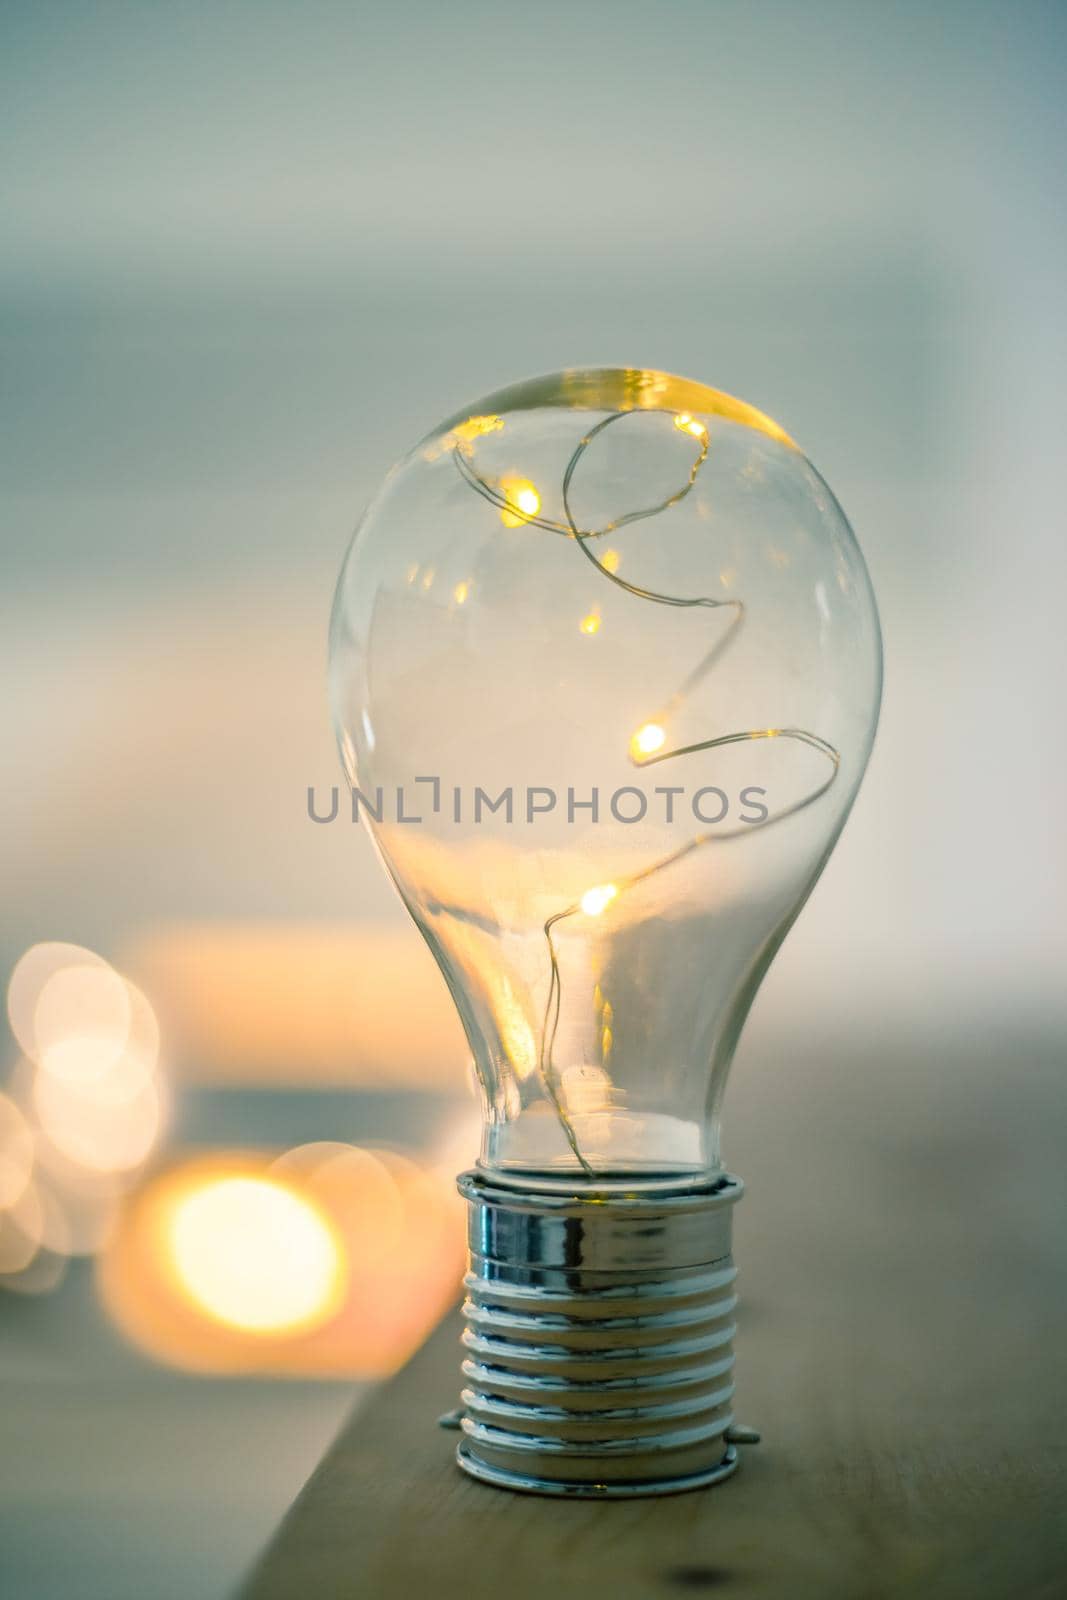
(590, 623)
(16, 1152)
(107, 1123)
(83, 1114)
(21, 1231)
(357, 1189)
(594, 900)
(325, 1259)
(461, 593)
(81, 1022)
(647, 740)
(305, 1003)
(255, 1254)
(31, 974)
(610, 560)
(523, 501)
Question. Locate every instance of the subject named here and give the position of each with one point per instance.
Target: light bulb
(604, 786)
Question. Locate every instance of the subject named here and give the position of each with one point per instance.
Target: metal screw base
(595, 1491)
(599, 1340)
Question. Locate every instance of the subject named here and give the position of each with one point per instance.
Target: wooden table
(902, 1347)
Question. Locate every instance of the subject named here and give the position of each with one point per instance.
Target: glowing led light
(593, 901)
(610, 561)
(256, 1255)
(647, 740)
(590, 623)
(523, 501)
(461, 593)
(685, 423)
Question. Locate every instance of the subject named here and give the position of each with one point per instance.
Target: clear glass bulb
(608, 637)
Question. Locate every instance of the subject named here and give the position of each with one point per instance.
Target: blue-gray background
(252, 251)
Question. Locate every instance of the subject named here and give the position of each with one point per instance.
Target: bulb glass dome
(605, 671)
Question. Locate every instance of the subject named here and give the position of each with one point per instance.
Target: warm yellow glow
(428, 577)
(610, 561)
(476, 428)
(462, 436)
(286, 1002)
(594, 900)
(686, 423)
(356, 1189)
(590, 623)
(647, 740)
(325, 1259)
(461, 593)
(516, 1034)
(523, 501)
(256, 1255)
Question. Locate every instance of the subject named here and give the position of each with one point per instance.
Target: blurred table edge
(388, 1513)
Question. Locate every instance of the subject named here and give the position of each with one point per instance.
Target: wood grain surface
(902, 1348)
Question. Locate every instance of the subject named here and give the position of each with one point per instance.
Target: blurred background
(253, 252)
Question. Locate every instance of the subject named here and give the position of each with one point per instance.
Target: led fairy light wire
(645, 748)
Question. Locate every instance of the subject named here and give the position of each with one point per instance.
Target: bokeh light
(106, 1124)
(83, 1111)
(81, 1022)
(16, 1152)
(254, 1253)
(326, 1259)
(30, 976)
